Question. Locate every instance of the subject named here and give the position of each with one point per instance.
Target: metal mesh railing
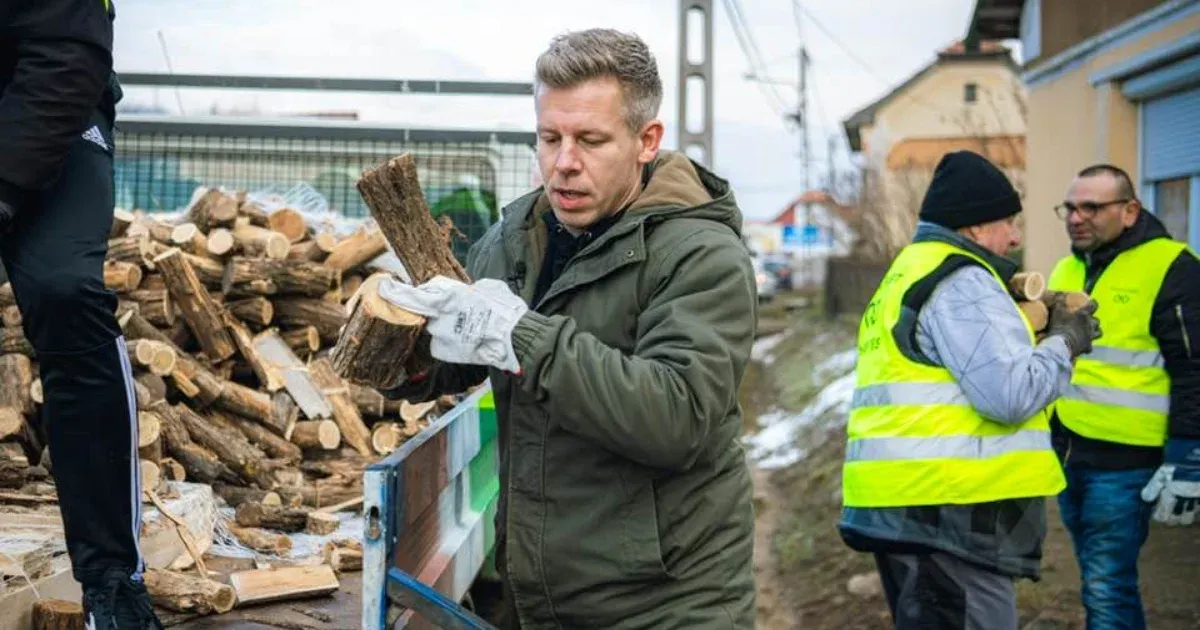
(466, 176)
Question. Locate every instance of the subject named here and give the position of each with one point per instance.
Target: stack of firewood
(230, 313)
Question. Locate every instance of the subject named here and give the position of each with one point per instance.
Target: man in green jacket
(614, 310)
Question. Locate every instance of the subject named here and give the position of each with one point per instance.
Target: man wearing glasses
(1128, 427)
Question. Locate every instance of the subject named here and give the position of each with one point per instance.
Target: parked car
(781, 269)
(768, 286)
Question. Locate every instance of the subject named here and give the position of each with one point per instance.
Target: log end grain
(322, 523)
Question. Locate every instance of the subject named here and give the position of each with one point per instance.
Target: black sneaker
(119, 603)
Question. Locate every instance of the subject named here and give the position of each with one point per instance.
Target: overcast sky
(499, 40)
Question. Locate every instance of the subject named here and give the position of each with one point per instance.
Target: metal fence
(466, 176)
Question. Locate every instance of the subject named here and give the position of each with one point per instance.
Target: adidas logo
(94, 136)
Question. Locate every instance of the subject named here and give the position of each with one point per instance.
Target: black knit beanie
(968, 190)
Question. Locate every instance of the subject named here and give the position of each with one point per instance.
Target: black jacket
(55, 76)
(1175, 323)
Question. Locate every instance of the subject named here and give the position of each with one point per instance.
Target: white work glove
(1176, 485)
(467, 323)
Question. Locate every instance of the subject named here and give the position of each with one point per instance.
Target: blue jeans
(1109, 522)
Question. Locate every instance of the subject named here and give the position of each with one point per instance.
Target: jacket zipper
(1187, 341)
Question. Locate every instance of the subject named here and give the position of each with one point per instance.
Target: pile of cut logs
(232, 317)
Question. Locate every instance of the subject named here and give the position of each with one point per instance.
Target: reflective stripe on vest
(914, 438)
(1120, 391)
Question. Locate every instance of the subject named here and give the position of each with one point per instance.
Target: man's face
(1097, 211)
(590, 161)
(998, 237)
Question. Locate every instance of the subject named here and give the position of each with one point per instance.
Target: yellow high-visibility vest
(914, 439)
(1120, 391)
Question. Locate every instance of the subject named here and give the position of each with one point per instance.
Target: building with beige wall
(1113, 81)
(963, 99)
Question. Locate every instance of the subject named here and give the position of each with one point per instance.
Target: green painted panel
(485, 477)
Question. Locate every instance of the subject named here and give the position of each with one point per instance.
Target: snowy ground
(775, 444)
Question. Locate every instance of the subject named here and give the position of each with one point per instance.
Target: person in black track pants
(58, 95)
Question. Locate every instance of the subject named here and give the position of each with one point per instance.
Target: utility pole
(829, 149)
(697, 143)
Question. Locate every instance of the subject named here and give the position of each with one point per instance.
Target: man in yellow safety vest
(949, 458)
(1128, 427)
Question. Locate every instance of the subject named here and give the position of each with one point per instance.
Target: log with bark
(288, 222)
(360, 247)
(200, 463)
(57, 614)
(237, 495)
(232, 448)
(188, 593)
(14, 465)
(12, 422)
(377, 340)
(13, 341)
(327, 317)
(213, 209)
(276, 517)
(317, 434)
(16, 381)
(122, 277)
(257, 241)
(386, 437)
(269, 377)
(299, 277)
(345, 412)
(304, 341)
(256, 311)
(11, 316)
(315, 249)
(203, 315)
(262, 540)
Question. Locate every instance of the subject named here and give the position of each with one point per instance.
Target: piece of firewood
(322, 523)
(155, 305)
(36, 393)
(356, 250)
(377, 339)
(13, 341)
(285, 412)
(261, 540)
(154, 356)
(153, 452)
(11, 316)
(57, 614)
(155, 387)
(189, 238)
(1027, 286)
(257, 311)
(304, 341)
(159, 231)
(231, 447)
(12, 421)
(237, 495)
(210, 272)
(1074, 300)
(412, 412)
(345, 560)
(149, 427)
(350, 285)
(317, 434)
(220, 243)
(250, 403)
(288, 222)
(323, 492)
(271, 443)
(283, 583)
(345, 413)
(257, 241)
(369, 401)
(122, 218)
(386, 437)
(171, 469)
(315, 249)
(189, 593)
(252, 213)
(14, 465)
(213, 209)
(327, 317)
(1037, 314)
(152, 479)
(392, 192)
(268, 375)
(6, 295)
(16, 378)
(200, 463)
(196, 305)
(122, 277)
(300, 277)
(271, 517)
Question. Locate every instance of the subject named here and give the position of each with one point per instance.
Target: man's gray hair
(580, 56)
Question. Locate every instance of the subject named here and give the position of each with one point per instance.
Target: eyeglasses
(1086, 209)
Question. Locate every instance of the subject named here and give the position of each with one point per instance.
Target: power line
(745, 39)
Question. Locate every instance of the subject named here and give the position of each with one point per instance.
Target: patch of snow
(774, 446)
(835, 366)
(762, 350)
